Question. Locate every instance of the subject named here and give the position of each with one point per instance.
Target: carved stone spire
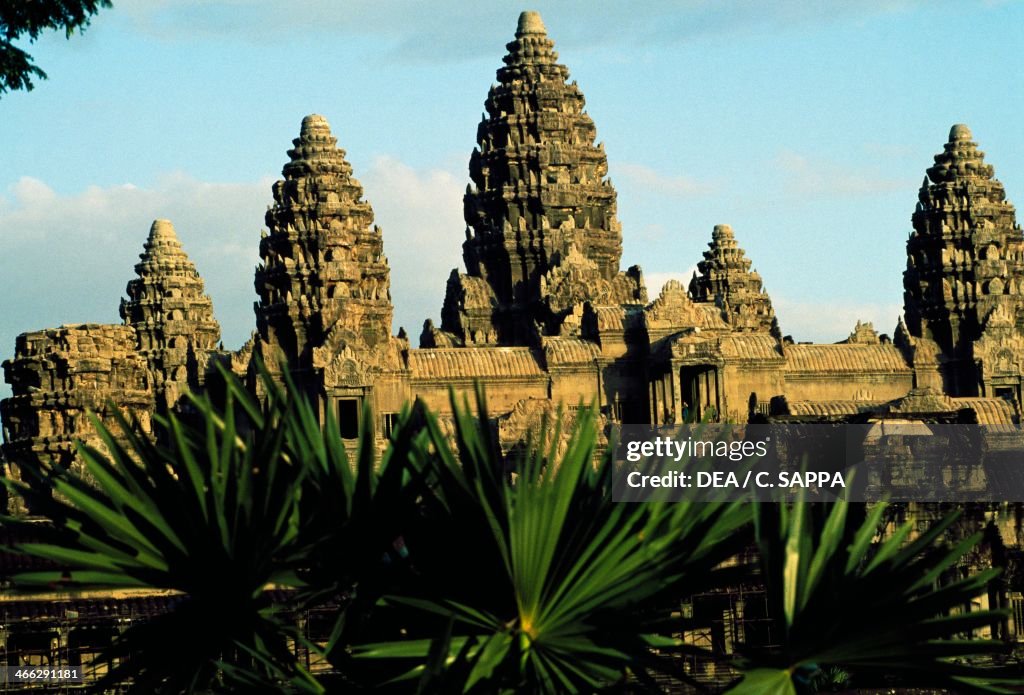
(324, 277)
(171, 314)
(965, 256)
(727, 280)
(539, 185)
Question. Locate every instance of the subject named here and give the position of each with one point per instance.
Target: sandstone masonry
(542, 313)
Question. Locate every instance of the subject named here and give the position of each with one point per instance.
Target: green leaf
(764, 681)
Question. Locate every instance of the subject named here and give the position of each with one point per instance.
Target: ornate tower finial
(162, 231)
(530, 23)
(960, 159)
(960, 131)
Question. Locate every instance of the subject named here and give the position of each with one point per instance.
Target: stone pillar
(720, 402)
(676, 394)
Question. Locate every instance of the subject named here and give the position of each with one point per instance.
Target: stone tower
(965, 260)
(324, 282)
(172, 316)
(539, 194)
(727, 281)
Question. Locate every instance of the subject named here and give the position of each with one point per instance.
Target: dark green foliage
(29, 19)
(546, 584)
(250, 510)
(453, 570)
(871, 610)
(212, 513)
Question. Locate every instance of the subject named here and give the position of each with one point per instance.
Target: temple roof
(847, 357)
(965, 251)
(750, 347)
(169, 288)
(618, 318)
(559, 351)
(990, 411)
(835, 408)
(475, 363)
(540, 182)
(727, 281)
(324, 277)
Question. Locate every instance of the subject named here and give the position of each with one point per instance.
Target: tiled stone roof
(831, 408)
(990, 411)
(846, 358)
(750, 347)
(457, 363)
(570, 351)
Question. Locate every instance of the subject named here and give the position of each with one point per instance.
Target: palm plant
(208, 514)
(237, 500)
(879, 611)
(544, 584)
(451, 572)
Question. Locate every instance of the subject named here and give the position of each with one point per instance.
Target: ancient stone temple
(163, 348)
(542, 314)
(173, 319)
(542, 232)
(324, 283)
(59, 376)
(965, 274)
(727, 280)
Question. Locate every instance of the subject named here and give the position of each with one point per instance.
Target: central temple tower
(539, 201)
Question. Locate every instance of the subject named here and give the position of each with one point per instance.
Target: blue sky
(806, 126)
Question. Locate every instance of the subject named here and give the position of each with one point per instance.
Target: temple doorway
(700, 396)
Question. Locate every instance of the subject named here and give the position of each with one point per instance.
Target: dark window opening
(1005, 393)
(348, 418)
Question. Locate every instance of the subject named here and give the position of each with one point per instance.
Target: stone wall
(59, 376)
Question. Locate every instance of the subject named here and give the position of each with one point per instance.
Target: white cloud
(32, 212)
(68, 257)
(672, 185)
(809, 177)
(411, 29)
(421, 215)
(830, 322)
